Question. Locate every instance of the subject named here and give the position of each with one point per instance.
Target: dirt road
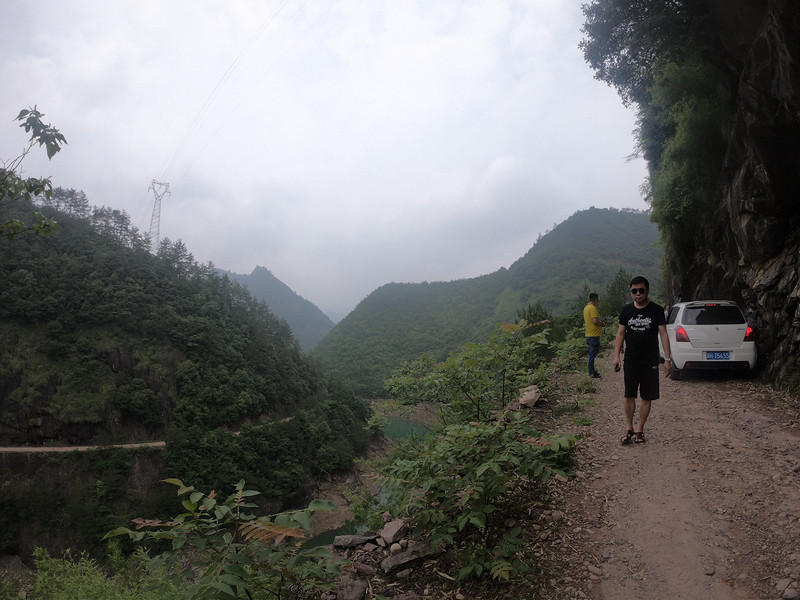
(708, 508)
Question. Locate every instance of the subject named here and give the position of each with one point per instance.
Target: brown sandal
(627, 438)
(638, 437)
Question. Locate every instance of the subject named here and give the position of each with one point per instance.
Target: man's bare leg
(644, 412)
(630, 409)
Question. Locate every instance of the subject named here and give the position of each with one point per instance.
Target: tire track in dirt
(708, 508)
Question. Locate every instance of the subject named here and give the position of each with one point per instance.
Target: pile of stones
(389, 553)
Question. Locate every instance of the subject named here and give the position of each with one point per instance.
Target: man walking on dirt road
(640, 324)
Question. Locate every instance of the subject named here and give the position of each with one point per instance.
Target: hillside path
(50, 449)
(708, 508)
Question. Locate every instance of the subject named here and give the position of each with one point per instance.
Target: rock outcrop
(755, 255)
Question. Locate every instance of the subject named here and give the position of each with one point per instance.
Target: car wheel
(675, 374)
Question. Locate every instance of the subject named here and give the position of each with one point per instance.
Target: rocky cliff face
(755, 255)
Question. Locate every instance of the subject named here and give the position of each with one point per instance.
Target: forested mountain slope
(309, 324)
(102, 342)
(588, 248)
(399, 321)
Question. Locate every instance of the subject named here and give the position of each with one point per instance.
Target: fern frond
(263, 530)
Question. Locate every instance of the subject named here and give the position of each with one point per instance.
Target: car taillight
(681, 335)
(750, 336)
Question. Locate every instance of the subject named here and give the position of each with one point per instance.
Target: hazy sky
(341, 144)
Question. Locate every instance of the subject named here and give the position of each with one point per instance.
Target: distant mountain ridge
(309, 324)
(400, 321)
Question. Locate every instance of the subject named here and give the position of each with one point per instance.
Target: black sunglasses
(638, 290)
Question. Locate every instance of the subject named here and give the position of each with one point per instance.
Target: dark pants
(594, 350)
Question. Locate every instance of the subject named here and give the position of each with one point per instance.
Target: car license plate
(718, 355)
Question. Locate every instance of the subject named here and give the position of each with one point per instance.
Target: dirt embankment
(708, 508)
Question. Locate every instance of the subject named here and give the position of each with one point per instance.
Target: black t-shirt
(641, 332)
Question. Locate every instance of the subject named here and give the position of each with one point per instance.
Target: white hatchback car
(710, 334)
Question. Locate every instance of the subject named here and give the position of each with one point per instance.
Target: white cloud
(342, 144)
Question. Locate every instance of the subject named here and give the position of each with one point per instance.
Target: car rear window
(673, 315)
(713, 314)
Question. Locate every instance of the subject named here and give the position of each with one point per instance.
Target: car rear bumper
(738, 365)
(685, 357)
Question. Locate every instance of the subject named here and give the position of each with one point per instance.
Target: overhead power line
(205, 109)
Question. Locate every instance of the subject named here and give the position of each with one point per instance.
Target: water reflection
(398, 428)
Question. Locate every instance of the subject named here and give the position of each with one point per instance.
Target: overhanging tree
(624, 39)
(665, 57)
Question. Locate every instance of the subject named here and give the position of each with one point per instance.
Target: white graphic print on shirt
(640, 323)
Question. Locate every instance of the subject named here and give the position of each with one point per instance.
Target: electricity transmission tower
(159, 191)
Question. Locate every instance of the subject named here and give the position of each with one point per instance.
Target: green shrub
(469, 480)
(479, 379)
(70, 578)
(235, 554)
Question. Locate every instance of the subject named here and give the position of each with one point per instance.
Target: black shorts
(641, 378)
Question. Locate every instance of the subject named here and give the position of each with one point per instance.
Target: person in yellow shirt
(594, 329)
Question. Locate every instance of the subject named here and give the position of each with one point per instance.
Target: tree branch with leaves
(13, 187)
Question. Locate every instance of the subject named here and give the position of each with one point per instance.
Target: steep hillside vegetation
(589, 248)
(398, 322)
(102, 342)
(309, 324)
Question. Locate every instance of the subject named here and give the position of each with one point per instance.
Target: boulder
(416, 553)
(393, 531)
(351, 541)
